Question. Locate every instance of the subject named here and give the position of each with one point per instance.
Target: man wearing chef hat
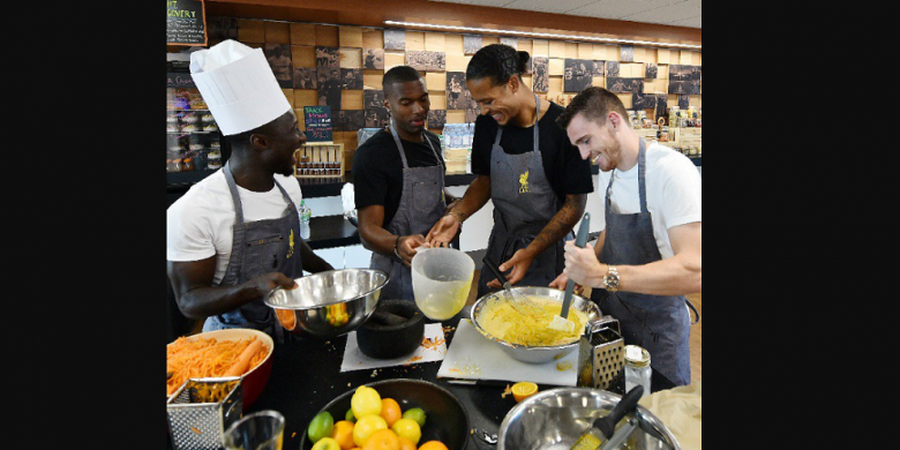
(648, 255)
(235, 235)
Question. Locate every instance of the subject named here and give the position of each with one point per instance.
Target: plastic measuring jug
(442, 278)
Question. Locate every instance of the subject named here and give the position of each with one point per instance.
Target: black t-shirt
(378, 170)
(566, 171)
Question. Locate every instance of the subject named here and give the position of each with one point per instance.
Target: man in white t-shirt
(235, 236)
(648, 255)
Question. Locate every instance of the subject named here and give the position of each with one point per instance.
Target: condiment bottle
(637, 368)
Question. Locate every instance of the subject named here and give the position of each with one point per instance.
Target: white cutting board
(472, 356)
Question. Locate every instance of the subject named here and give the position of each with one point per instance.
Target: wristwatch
(611, 279)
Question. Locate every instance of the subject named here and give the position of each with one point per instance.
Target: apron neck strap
(642, 169)
(236, 197)
(403, 153)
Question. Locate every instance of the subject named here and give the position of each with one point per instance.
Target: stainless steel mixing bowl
(555, 418)
(545, 353)
(328, 304)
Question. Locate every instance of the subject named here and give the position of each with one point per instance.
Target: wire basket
(601, 362)
(201, 410)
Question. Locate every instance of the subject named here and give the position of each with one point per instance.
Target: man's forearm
(560, 224)
(477, 195)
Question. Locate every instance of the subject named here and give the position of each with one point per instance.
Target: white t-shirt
(200, 223)
(673, 193)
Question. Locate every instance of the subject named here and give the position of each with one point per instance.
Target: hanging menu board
(318, 123)
(185, 22)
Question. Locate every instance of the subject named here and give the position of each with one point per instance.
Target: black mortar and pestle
(395, 329)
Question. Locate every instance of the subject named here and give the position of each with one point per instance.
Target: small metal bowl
(328, 304)
(543, 353)
(556, 418)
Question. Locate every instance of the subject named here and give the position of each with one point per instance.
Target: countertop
(306, 376)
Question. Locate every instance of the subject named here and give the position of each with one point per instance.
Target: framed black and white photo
(351, 79)
(512, 42)
(620, 85)
(651, 71)
(394, 40)
(578, 75)
(328, 57)
(540, 73)
(612, 68)
(436, 118)
(627, 53)
(279, 58)
(373, 58)
(598, 68)
(305, 78)
(373, 98)
(471, 44)
(643, 101)
(456, 92)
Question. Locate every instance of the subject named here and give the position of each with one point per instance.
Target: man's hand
(407, 247)
(561, 281)
(520, 262)
(582, 265)
(443, 231)
(266, 282)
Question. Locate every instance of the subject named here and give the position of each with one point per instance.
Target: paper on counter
(472, 356)
(354, 359)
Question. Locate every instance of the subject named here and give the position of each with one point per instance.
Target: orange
(382, 440)
(390, 410)
(343, 434)
(523, 390)
(433, 445)
(406, 444)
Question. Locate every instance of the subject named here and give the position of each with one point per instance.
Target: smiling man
(398, 182)
(648, 254)
(526, 166)
(235, 235)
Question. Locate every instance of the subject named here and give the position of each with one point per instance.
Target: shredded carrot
(202, 358)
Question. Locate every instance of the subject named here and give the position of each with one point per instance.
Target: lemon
(365, 426)
(365, 401)
(409, 429)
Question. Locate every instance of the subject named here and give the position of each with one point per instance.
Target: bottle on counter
(637, 368)
(305, 214)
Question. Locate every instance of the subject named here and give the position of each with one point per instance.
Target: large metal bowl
(328, 304)
(545, 353)
(555, 418)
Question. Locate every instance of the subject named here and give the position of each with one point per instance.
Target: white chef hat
(238, 86)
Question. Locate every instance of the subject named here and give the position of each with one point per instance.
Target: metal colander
(196, 425)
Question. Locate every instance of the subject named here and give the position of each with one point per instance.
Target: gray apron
(421, 205)
(524, 202)
(260, 247)
(660, 324)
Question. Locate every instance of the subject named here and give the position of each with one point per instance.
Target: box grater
(601, 359)
(200, 426)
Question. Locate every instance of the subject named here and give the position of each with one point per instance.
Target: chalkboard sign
(318, 123)
(179, 80)
(185, 22)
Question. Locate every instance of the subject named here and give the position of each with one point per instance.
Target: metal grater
(200, 426)
(601, 361)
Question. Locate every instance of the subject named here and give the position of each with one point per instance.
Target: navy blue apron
(524, 202)
(660, 324)
(260, 247)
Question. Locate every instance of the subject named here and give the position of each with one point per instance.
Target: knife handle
(629, 401)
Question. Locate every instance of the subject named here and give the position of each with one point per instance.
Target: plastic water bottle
(305, 214)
